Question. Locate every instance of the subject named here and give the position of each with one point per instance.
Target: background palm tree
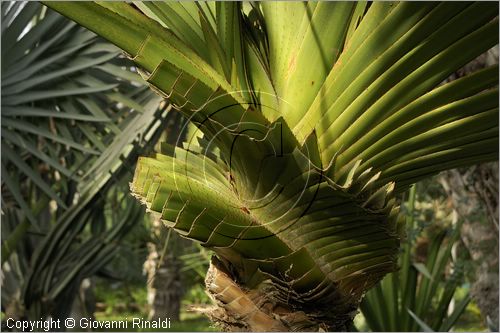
(71, 132)
(163, 265)
(315, 116)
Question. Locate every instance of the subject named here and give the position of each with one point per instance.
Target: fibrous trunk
(164, 286)
(320, 114)
(474, 194)
(237, 309)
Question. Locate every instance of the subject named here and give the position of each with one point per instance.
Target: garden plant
(313, 117)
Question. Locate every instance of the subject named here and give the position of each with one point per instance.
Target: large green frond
(346, 109)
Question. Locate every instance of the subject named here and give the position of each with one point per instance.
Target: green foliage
(74, 120)
(195, 295)
(321, 112)
(122, 300)
(66, 99)
(417, 297)
(471, 319)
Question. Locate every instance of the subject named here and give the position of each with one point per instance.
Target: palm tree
(315, 116)
(165, 285)
(73, 118)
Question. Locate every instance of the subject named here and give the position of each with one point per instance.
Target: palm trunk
(164, 286)
(84, 303)
(237, 309)
(351, 103)
(474, 195)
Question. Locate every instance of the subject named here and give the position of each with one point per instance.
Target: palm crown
(314, 117)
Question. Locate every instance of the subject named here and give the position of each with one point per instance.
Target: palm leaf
(71, 133)
(57, 102)
(417, 297)
(345, 110)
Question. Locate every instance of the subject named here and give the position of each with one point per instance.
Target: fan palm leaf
(74, 120)
(62, 106)
(321, 112)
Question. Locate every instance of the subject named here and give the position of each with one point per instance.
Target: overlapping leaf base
(277, 217)
(320, 112)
